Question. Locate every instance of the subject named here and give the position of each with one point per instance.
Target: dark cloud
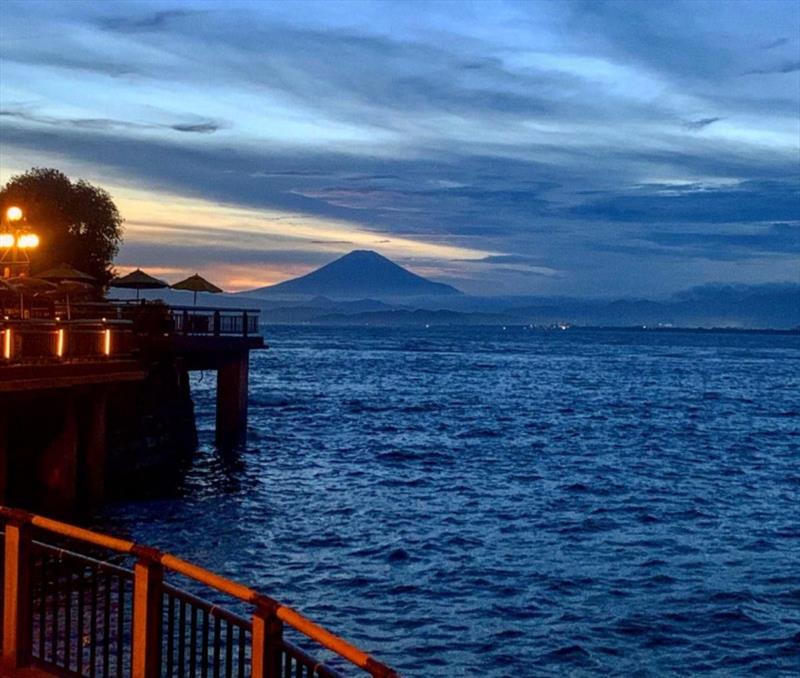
(780, 238)
(772, 44)
(754, 201)
(507, 259)
(101, 124)
(198, 128)
(145, 22)
(701, 123)
(785, 67)
(731, 245)
(188, 254)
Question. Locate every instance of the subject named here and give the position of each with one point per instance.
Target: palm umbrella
(69, 279)
(196, 283)
(138, 280)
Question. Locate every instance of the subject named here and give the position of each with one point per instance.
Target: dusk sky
(578, 148)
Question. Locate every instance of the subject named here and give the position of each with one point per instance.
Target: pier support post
(4, 460)
(148, 577)
(232, 378)
(16, 596)
(58, 464)
(93, 448)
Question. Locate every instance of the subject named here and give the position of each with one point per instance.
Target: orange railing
(39, 593)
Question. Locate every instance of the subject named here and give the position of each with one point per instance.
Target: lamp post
(15, 241)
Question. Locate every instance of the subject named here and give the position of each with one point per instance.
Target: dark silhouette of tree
(77, 223)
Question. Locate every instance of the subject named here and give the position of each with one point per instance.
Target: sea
(488, 501)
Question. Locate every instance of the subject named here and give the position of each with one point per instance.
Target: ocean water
(481, 502)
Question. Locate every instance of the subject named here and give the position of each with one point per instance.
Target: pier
(78, 603)
(58, 378)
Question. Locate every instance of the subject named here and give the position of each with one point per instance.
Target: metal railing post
(244, 324)
(267, 641)
(217, 323)
(148, 577)
(17, 595)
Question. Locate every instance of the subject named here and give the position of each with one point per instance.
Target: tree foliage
(77, 223)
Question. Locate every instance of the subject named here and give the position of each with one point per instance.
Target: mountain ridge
(357, 275)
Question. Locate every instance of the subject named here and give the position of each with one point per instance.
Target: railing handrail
(213, 309)
(51, 322)
(244, 593)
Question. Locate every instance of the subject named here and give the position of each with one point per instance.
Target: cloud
(701, 123)
(198, 128)
(772, 44)
(753, 201)
(206, 127)
(557, 140)
(785, 67)
(147, 22)
(781, 240)
(505, 259)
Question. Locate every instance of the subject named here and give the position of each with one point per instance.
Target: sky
(560, 148)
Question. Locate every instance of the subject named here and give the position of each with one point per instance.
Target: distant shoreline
(540, 328)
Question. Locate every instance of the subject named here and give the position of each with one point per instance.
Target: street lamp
(15, 241)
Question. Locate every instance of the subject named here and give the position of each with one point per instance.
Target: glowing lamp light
(7, 343)
(6, 240)
(14, 213)
(60, 343)
(107, 342)
(28, 241)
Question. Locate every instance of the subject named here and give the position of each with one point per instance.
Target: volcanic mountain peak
(360, 274)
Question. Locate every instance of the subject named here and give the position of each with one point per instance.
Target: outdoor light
(7, 343)
(107, 342)
(14, 213)
(28, 241)
(60, 343)
(6, 240)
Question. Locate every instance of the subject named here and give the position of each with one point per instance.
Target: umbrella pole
(137, 292)
(195, 297)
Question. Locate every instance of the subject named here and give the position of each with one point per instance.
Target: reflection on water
(495, 503)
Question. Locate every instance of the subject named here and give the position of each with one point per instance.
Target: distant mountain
(358, 275)
(734, 306)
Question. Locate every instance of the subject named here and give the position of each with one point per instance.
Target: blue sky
(580, 148)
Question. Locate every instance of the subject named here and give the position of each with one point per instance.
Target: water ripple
(487, 503)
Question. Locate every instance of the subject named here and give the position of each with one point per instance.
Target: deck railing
(63, 341)
(215, 322)
(78, 614)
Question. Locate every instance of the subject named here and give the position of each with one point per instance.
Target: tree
(76, 222)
